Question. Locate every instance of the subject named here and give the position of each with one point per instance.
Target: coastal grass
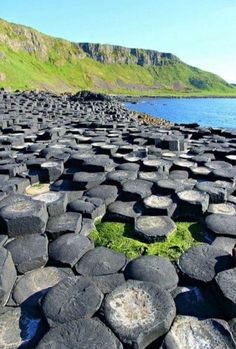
(25, 72)
(122, 238)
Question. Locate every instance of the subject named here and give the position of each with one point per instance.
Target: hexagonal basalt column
(83, 333)
(7, 275)
(87, 180)
(200, 264)
(24, 217)
(226, 284)
(221, 224)
(159, 205)
(154, 228)
(139, 312)
(192, 203)
(155, 269)
(56, 202)
(52, 170)
(190, 332)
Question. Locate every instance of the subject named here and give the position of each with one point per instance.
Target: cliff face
(121, 55)
(32, 60)
(19, 37)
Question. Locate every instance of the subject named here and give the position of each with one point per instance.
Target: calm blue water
(215, 112)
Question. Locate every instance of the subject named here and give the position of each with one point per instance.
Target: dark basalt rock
(128, 167)
(51, 170)
(224, 208)
(224, 243)
(86, 334)
(221, 224)
(139, 312)
(24, 217)
(100, 163)
(89, 207)
(69, 248)
(226, 284)
(67, 161)
(154, 228)
(56, 202)
(33, 285)
(69, 222)
(200, 264)
(153, 269)
(216, 193)
(7, 275)
(88, 96)
(197, 301)
(87, 180)
(117, 177)
(107, 283)
(21, 327)
(136, 189)
(159, 206)
(71, 299)
(193, 203)
(189, 332)
(101, 261)
(123, 211)
(169, 186)
(28, 252)
(108, 193)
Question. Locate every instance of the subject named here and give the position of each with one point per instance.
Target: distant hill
(32, 60)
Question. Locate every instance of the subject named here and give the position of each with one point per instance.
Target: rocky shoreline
(67, 161)
(136, 99)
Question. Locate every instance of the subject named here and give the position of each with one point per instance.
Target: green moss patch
(38, 185)
(122, 238)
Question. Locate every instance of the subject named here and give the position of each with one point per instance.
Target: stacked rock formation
(66, 161)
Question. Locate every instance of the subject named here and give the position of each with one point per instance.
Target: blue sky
(200, 32)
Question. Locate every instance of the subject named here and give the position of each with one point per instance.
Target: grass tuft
(122, 238)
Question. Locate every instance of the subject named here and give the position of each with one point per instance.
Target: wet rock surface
(67, 162)
(189, 332)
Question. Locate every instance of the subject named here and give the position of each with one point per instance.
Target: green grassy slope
(31, 60)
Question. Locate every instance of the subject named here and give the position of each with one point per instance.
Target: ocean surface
(215, 112)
